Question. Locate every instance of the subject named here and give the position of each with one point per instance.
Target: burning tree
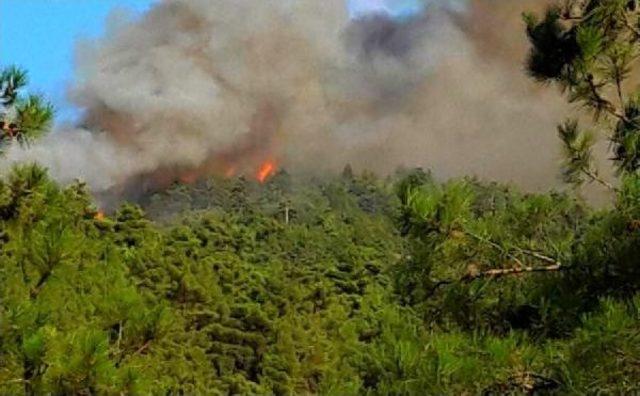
(22, 118)
(589, 48)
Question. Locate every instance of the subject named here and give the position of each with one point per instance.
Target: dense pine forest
(352, 285)
(346, 284)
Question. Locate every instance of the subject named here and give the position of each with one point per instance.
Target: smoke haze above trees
(203, 87)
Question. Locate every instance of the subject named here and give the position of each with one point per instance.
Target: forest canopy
(349, 284)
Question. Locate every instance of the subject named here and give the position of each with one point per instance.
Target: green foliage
(626, 137)
(373, 287)
(589, 49)
(34, 117)
(577, 146)
(21, 118)
(11, 80)
(553, 47)
(463, 229)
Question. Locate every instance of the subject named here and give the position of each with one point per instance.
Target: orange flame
(230, 171)
(99, 215)
(189, 177)
(268, 168)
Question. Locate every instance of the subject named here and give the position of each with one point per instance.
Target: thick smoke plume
(218, 86)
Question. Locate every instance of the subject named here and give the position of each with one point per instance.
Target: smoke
(218, 86)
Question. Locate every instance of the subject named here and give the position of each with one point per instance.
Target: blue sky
(397, 8)
(39, 35)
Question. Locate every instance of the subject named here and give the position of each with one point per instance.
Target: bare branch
(142, 348)
(471, 276)
(16, 381)
(540, 256)
(594, 177)
(494, 273)
(520, 268)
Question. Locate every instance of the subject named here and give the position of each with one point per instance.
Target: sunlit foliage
(370, 287)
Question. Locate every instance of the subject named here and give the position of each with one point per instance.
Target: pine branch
(471, 275)
(594, 177)
(539, 256)
(531, 253)
(119, 335)
(16, 381)
(602, 103)
(618, 79)
(633, 360)
(41, 282)
(494, 273)
(629, 25)
(494, 245)
(142, 348)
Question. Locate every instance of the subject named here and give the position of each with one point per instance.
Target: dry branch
(473, 273)
(494, 273)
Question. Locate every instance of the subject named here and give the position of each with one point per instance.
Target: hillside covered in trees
(352, 285)
(349, 284)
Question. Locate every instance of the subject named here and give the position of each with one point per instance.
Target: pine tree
(22, 118)
(588, 48)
